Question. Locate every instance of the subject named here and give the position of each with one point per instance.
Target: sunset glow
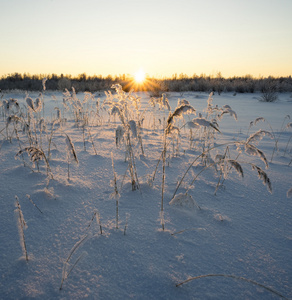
(140, 76)
(167, 37)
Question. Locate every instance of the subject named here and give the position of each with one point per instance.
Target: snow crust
(243, 230)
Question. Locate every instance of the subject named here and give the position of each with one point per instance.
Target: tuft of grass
(233, 163)
(260, 133)
(182, 109)
(122, 104)
(36, 155)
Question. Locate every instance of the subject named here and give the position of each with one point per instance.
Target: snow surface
(242, 231)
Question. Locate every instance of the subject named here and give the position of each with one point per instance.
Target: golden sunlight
(139, 76)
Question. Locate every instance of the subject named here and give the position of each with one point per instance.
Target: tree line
(177, 83)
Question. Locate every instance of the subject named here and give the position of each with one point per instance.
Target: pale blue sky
(161, 36)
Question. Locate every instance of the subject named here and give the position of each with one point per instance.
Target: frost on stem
(70, 149)
(34, 153)
(71, 153)
(30, 103)
(258, 120)
(163, 102)
(38, 105)
(115, 194)
(12, 118)
(21, 226)
(42, 125)
(252, 150)
(205, 123)
(115, 110)
(236, 166)
(182, 102)
(192, 125)
(119, 135)
(257, 136)
(226, 109)
(133, 128)
(178, 113)
(209, 103)
(12, 102)
(44, 83)
(66, 271)
(34, 106)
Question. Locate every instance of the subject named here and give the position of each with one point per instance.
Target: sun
(139, 81)
(139, 76)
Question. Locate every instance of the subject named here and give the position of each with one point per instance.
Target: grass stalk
(163, 179)
(98, 221)
(92, 142)
(193, 162)
(115, 194)
(29, 198)
(71, 153)
(21, 226)
(65, 274)
(234, 277)
(126, 224)
(286, 148)
(83, 136)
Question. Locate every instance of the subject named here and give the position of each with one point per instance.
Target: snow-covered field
(244, 232)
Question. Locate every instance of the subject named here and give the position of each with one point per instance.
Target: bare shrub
(64, 83)
(269, 93)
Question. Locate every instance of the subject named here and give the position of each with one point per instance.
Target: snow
(243, 230)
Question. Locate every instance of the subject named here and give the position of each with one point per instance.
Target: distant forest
(177, 83)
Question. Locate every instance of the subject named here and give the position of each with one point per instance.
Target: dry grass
(233, 277)
(21, 227)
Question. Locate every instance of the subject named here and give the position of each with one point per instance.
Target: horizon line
(128, 75)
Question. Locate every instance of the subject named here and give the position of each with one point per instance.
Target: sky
(162, 37)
